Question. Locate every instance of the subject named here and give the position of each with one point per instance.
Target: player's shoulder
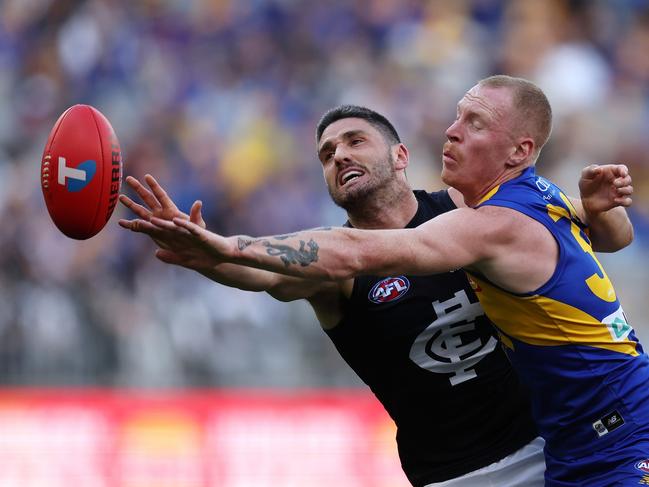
(527, 194)
(437, 201)
(502, 227)
(499, 216)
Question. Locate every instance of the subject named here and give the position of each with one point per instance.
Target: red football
(81, 172)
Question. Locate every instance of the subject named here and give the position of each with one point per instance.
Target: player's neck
(389, 211)
(474, 198)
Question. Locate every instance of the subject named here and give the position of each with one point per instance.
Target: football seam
(101, 186)
(47, 156)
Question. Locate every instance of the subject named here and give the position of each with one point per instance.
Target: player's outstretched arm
(450, 241)
(605, 191)
(279, 286)
(178, 250)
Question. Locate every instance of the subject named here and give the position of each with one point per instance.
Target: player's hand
(158, 205)
(201, 250)
(603, 187)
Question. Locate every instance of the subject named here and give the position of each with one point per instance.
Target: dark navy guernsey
(425, 348)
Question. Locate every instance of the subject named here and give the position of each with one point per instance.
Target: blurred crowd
(219, 100)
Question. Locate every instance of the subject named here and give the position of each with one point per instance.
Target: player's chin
(340, 198)
(447, 176)
(347, 197)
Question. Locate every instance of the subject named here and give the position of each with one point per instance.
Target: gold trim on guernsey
(538, 320)
(488, 195)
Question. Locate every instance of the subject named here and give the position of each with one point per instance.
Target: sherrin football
(81, 172)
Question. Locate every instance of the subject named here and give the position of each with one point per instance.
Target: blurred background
(219, 100)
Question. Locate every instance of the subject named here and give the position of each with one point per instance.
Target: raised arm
(605, 192)
(448, 242)
(178, 250)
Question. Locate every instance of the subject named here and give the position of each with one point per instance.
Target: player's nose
(341, 154)
(453, 133)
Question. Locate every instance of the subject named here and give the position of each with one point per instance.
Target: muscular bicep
(450, 241)
(520, 253)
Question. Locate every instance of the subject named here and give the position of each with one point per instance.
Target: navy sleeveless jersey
(425, 348)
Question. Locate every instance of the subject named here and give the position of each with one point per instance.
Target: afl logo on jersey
(389, 289)
(643, 465)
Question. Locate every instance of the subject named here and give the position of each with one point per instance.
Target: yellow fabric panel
(505, 340)
(538, 320)
(489, 195)
(600, 286)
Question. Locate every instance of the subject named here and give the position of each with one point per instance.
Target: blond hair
(533, 107)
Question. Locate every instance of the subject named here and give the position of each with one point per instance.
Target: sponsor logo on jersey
(608, 423)
(617, 325)
(542, 184)
(389, 289)
(76, 178)
(643, 465)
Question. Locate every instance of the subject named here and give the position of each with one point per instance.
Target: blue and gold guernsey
(571, 343)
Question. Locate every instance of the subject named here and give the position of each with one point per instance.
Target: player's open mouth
(349, 175)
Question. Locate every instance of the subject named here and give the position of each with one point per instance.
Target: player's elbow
(630, 236)
(347, 265)
(354, 267)
(286, 289)
(369, 261)
(343, 269)
(282, 296)
(619, 241)
(625, 239)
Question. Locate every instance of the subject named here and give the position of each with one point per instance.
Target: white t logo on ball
(69, 172)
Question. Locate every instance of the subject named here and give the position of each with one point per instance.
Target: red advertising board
(102, 438)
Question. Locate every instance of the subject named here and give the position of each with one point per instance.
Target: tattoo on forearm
(289, 255)
(285, 236)
(246, 242)
(305, 255)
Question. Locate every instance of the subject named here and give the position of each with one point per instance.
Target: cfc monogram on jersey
(443, 346)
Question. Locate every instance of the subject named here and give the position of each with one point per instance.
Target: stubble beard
(365, 196)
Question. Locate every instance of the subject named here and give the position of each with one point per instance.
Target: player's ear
(522, 152)
(401, 156)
